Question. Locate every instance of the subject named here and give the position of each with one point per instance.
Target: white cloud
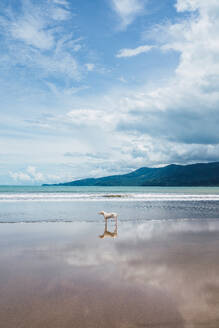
(122, 79)
(20, 176)
(37, 39)
(30, 174)
(62, 2)
(133, 52)
(34, 25)
(89, 67)
(31, 31)
(91, 117)
(210, 6)
(37, 176)
(185, 108)
(60, 14)
(128, 10)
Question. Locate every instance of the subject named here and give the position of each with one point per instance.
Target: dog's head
(101, 213)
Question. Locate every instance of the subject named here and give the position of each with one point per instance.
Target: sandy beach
(154, 274)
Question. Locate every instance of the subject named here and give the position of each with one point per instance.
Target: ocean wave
(71, 197)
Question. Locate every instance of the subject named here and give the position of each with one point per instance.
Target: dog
(109, 215)
(108, 233)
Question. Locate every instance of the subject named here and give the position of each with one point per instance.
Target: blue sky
(92, 88)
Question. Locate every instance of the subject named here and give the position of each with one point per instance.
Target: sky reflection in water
(154, 274)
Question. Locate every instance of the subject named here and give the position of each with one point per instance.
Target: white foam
(107, 197)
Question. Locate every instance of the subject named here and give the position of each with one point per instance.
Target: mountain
(200, 174)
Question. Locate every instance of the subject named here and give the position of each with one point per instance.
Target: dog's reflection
(107, 233)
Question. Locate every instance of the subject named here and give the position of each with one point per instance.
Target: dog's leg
(115, 230)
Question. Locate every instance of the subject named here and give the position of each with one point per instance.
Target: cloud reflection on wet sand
(155, 274)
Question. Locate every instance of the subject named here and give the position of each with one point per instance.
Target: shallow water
(151, 274)
(70, 204)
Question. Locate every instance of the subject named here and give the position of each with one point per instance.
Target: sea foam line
(71, 197)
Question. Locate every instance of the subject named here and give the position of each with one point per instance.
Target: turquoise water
(73, 189)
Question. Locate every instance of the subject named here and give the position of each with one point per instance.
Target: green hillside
(200, 174)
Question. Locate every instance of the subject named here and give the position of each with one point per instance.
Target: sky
(101, 87)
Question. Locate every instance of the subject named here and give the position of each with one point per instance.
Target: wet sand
(153, 274)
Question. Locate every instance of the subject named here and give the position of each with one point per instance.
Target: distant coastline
(199, 174)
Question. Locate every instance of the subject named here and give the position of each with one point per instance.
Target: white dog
(108, 215)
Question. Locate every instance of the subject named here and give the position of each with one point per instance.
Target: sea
(32, 204)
